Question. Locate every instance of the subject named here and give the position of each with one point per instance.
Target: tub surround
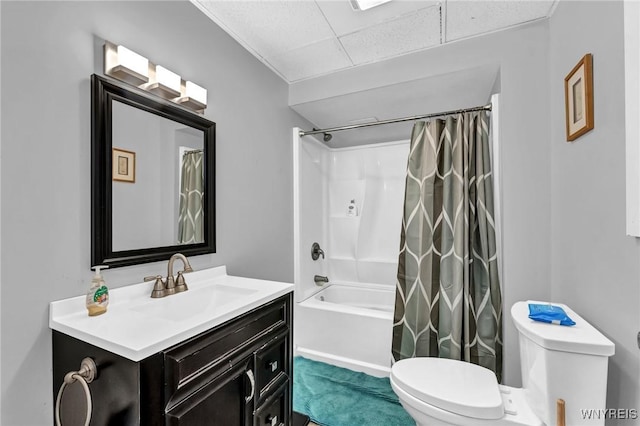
(364, 247)
(361, 247)
(136, 326)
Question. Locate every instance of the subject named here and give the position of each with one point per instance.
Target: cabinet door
(225, 401)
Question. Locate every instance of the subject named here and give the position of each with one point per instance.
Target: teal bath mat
(334, 396)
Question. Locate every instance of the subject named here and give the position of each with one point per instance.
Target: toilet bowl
(438, 392)
(557, 362)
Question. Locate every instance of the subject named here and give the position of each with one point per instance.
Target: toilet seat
(455, 386)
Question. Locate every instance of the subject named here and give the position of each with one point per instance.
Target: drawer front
(272, 361)
(273, 412)
(211, 352)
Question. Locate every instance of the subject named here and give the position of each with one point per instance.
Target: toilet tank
(563, 362)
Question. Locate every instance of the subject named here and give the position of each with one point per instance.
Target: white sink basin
(136, 326)
(185, 305)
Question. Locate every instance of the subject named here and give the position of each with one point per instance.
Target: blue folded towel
(550, 314)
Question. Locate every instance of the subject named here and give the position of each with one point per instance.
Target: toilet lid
(456, 386)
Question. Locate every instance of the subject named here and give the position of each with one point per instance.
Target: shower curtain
(448, 299)
(191, 211)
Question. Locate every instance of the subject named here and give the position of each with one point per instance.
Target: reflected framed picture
(578, 98)
(124, 165)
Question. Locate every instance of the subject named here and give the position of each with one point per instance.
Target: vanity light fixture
(128, 66)
(125, 64)
(164, 83)
(193, 96)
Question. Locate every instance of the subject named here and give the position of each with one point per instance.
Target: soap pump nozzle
(97, 268)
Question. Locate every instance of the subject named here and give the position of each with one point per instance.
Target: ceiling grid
(304, 39)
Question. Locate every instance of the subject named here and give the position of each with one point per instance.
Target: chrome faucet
(169, 286)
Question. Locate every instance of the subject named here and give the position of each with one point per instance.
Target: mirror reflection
(163, 204)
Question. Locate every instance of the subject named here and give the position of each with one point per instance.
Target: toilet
(557, 362)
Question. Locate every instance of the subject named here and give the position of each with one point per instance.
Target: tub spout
(320, 280)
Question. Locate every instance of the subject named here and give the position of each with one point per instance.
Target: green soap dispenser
(98, 295)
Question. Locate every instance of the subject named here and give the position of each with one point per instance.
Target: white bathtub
(348, 325)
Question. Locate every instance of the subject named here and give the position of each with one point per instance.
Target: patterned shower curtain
(190, 219)
(448, 299)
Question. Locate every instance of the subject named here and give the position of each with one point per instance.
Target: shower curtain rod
(394, 120)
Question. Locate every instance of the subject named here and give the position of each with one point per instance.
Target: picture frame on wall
(124, 165)
(578, 96)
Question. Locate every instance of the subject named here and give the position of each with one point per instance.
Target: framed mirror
(152, 177)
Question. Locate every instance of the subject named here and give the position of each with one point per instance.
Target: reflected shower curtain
(448, 299)
(190, 219)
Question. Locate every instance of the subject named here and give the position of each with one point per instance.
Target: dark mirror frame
(104, 90)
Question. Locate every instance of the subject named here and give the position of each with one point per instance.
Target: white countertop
(136, 326)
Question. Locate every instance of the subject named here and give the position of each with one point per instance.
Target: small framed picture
(124, 165)
(578, 98)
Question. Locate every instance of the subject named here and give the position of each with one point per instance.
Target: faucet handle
(181, 284)
(316, 251)
(158, 287)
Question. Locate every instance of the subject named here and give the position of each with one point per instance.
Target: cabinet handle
(249, 374)
(272, 366)
(272, 420)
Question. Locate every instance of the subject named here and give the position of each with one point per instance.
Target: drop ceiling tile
(344, 20)
(392, 38)
(469, 18)
(312, 60)
(270, 27)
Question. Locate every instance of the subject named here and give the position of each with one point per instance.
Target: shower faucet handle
(316, 251)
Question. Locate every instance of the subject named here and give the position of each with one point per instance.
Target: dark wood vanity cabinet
(236, 374)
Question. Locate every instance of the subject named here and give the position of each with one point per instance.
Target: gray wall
(49, 50)
(522, 56)
(594, 266)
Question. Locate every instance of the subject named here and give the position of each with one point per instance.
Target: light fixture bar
(126, 65)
